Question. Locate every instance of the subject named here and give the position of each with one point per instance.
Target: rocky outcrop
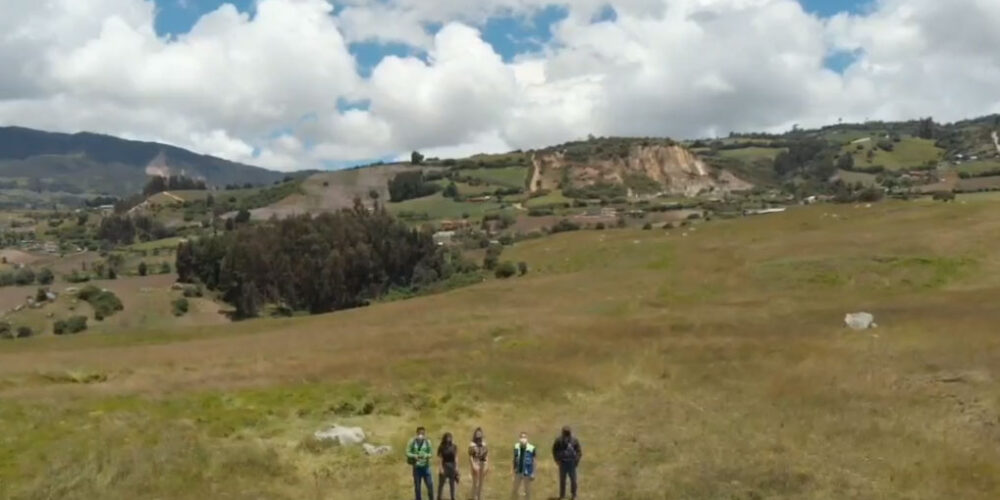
(675, 168)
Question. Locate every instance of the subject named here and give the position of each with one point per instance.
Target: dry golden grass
(706, 363)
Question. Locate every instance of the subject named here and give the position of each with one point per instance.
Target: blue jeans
(567, 470)
(425, 474)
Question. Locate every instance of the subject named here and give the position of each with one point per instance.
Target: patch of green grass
(553, 198)
(910, 152)
(438, 207)
(506, 176)
(856, 177)
(751, 154)
(979, 166)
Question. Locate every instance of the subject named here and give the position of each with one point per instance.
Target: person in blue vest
(418, 455)
(524, 466)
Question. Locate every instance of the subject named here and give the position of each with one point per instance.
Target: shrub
(45, 276)
(24, 276)
(647, 226)
(492, 256)
(6, 332)
(165, 268)
(59, 327)
(75, 277)
(621, 222)
(104, 302)
(180, 306)
(599, 226)
(143, 268)
(944, 196)
(193, 291)
(871, 194)
(42, 295)
(76, 324)
(522, 268)
(24, 332)
(506, 269)
(565, 225)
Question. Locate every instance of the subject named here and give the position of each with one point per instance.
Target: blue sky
(508, 35)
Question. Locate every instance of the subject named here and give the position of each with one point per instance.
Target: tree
(505, 270)
(492, 256)
(242, 217)
(24, 332)
(143, 269)
(925, 128)
(409, 185)
(845, 162)
(42, 295)
(180, 306)
(165, 268)
(45, 276)
(451, 191)
(416, 158)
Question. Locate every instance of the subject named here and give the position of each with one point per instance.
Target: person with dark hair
(567, 453)
(448, 453)
(524, 466)
(479, 463)
(418, 455)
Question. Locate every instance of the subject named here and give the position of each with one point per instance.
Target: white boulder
(341, 435)
(860, 321)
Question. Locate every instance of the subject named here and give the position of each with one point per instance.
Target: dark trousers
(567, 470)
(423, 473)
(451, 479)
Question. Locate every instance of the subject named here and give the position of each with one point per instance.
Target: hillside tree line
(159, 184)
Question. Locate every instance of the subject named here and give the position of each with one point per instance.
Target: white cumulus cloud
(270, 89)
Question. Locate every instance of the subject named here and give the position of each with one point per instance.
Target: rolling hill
(86, 162)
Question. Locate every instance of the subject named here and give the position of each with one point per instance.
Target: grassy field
(751, 154)
(507, 176)
(908, 153)
(975, 167)
(855, 177)
(438, 207)
(700, 363)
(552, 198)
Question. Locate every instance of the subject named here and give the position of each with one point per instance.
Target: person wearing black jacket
(566, 451)
(448, 452)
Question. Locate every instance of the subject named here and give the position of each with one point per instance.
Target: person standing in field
(479, 463)
(524, 466)
(418, 455)
(448, 453)
(566, 451)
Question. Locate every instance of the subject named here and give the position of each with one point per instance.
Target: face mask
(420, 437)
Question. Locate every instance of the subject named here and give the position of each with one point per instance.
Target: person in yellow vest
(524, 466)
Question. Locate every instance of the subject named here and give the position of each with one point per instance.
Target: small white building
(442, 238)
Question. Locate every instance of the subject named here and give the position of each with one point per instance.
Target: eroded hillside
(642, 167)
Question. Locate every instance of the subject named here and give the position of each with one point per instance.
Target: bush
(143, 269)
(24, 276)
(6, 332)
(193, 291)
(42, 295)
(76, 324)
(180, 306)
(24, 332)
(492, 256)
(505, 270)
(647, 226)
(165, 268)
(599, 226)
(944, 196)
(104, 302)
(522, 268)
(871, 194)
(565, 225)
(74, 277)
(45, 276)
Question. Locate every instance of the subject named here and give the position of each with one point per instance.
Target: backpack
(569, 450)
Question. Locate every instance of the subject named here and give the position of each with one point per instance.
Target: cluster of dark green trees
(318, 264)
(409, 185)
(126, 229)
(159, 184)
